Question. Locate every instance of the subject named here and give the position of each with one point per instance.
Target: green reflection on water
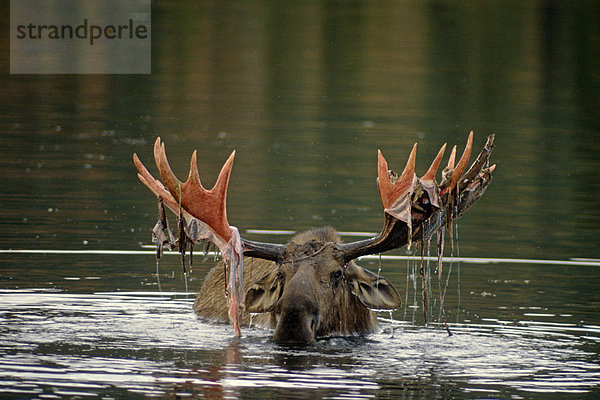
(307, 93)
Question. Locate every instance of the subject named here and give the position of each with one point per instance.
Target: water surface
(129, 344)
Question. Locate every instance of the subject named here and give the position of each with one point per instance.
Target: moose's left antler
(409, 202)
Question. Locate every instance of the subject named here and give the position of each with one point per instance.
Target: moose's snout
(297, 324)
(298, 316)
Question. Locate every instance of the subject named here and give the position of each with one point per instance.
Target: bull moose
(311, 287)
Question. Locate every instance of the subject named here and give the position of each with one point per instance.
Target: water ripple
(151, 344)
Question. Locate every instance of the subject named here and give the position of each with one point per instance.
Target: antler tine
(430, 174)
(462, 163)
(167, 175)
(460, 167)
(154, 185)
(264, 250)
(481, 160)
(428, 180)
(452, 158)
(390, 191)
(208, 206)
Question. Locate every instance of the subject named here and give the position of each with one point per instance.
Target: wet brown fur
(211, 303)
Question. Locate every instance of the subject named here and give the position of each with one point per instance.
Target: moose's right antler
(199, 205)
(208, 206)
(205, 215)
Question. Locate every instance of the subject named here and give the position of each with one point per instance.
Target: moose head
(312, 287)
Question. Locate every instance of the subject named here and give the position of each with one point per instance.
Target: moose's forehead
(311, 242)
(313, 253)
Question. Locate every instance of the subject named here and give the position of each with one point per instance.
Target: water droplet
(185, 275)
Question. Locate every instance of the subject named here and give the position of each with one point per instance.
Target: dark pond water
(306, 93)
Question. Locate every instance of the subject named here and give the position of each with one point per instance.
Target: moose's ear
(373, 291)
(264, 293)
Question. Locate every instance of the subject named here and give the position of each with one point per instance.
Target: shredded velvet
(233, 257)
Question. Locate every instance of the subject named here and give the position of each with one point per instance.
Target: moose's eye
(336, 276)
